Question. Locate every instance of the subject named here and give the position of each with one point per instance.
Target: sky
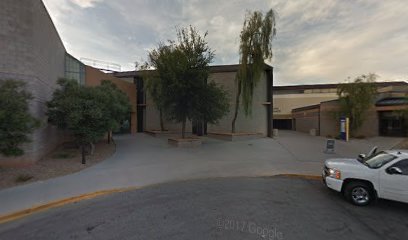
(317, 41)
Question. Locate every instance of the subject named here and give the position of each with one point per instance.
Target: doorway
(392, 124)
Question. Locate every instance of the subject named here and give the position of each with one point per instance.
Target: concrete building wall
(152, 119)
(93, 77)
(31, 50)
(257, 122)
(284, 103)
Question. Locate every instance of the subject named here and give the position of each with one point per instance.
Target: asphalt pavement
(219, 208)
(141, 160)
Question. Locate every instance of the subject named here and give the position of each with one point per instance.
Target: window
(74, 69)
(379, 160)
(403, 165)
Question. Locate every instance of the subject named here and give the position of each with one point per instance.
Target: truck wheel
(358, 193)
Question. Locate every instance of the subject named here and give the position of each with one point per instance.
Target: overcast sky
(318, 41)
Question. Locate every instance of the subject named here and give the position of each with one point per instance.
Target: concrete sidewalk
(142, 160)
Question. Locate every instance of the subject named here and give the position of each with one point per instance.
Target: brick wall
(330, 123)
(307, 120)
(94, 77)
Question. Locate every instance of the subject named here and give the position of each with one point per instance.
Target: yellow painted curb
(58, 203)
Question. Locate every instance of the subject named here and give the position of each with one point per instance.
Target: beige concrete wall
(152, 119)
(283, 104)
(257, 122)
(32, 51)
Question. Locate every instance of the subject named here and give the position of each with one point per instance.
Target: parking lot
(220, 208)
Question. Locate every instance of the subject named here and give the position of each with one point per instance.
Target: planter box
(156, 133)
(185, 142)
(235, 136)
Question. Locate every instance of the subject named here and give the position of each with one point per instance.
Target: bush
(16, 123)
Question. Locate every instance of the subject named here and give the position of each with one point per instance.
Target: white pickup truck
(377, 175)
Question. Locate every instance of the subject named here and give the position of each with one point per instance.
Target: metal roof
(335, 85)
(392, 101)
(213, 69)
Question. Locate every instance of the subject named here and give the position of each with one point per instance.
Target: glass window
(403, 165)
(74, 69)
(379, 160)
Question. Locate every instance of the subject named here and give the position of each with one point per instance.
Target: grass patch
(23, 178)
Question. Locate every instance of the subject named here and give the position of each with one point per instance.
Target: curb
(40, 208)
(302, 176)
(58, 203)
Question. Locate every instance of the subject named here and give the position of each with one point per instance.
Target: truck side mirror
(362, 156)
(394, 170)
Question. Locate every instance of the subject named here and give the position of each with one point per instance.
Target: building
(287, 98)
(259, 122)
(32, 51)
(314, 109)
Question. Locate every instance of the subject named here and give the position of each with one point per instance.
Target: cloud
(85, 3)
(317, 41)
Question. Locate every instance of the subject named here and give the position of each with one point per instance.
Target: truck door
(394, 181)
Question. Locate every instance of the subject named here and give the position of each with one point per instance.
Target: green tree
(16, 123)
(183, 69)
(356, 98)
(255, 47)
(81, 110)
(213, 104)
(153, 80)
(117, 105)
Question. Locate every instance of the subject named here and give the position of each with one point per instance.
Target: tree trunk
(236, 106)
(109, 136)
(183, 129)
(161, 120)
(83, 153)
(92, 148)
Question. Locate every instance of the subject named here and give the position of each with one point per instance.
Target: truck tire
(359, 193)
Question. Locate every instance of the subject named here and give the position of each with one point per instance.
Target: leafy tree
(15, 120)
(183, 69)
(213, 103)
(356, 98)
(255, 47)
(81, 110)
(153, 81)
(116, 105)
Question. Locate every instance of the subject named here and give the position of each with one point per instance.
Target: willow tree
(255, 47)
